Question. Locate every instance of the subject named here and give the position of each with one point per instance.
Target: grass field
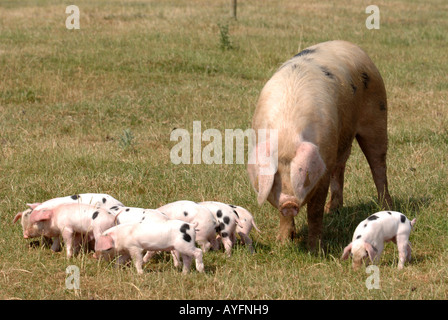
(91, 110)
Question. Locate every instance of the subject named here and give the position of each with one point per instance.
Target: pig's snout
(289, 209)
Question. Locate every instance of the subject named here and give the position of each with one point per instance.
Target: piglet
(132, 214)
(227, 221)
(129, 240)
(192, 212)
(69, 220)
(245, 224)
(371, 234)
(95, 199)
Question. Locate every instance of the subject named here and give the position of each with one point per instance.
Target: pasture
(91, 110)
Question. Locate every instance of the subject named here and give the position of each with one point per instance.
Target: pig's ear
(33, 205)
(41, 215)
(347, 251)
(17, 217)
(262, 168)
(105, 243)
(372, 251)
(307, 168)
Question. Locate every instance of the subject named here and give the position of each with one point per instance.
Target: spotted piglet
(227, 221)
(94, 199)
(130, 240)
(69, 221)
(371, 234)
(192, 212)
(245, 224)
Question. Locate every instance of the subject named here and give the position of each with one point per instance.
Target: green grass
(91, 110)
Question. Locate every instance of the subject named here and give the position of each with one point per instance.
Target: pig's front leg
(186, 259)
(227, 243)
(315, 212)
(122, 260)
(56, 246)
(67, 236)
(176, 258)
(404, 250)
(137, 257)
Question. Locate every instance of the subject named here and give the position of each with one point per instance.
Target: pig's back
(317, 94)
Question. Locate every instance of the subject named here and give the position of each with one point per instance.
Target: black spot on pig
(390, 213)
(127, 210)
(224, 234)
(226, 220)
(402, 219)
(184, 228)
(372, 217)
(365, 225)
(114, 208)
(365, 79)
(222, 226)
(75, 197)
(219, 213)
(358, 237)
(104, 200)
(187, 237)
(232, 206)
(185, 213)
(95, 214)
(234, 211)
(304, 52)
(327, 73)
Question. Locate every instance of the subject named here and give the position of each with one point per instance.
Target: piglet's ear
(41, 215)
(104, 243)
(33, 205)
(17, 217)
(347, 251)
(372, 251)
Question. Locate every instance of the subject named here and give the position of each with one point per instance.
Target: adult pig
(316, 104)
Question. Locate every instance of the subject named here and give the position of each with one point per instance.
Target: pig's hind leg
(371, 134)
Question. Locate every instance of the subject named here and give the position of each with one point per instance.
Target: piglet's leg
(68, 235)
(408, 251)
(402, 244)
(56, 246)
(137, 257)
(186, 259)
